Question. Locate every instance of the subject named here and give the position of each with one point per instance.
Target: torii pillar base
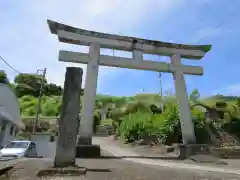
(85, 148)
(88, 151)
(186, 151)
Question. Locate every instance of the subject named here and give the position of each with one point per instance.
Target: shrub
(49, 109)
(30, 111)
(43, 126)
(96, 121)
(201, 131)
(135, 126)
(108, 122)
(27, 98)
(165, 127)
(232, 127)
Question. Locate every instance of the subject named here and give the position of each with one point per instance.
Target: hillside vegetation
(133, 118)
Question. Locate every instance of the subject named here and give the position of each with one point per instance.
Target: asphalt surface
(119, 169)
(115, 169)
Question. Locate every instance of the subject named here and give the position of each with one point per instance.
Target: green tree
(52, 89)
(195, 95)
(28, 84)
(3, 77)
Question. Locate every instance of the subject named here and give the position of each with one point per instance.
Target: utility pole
(160, 90)
(39, 98)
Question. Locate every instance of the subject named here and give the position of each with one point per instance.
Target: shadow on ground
(139, 157)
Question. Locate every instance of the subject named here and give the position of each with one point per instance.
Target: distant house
(10, 118)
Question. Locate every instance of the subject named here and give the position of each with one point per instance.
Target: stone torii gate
(138, 47)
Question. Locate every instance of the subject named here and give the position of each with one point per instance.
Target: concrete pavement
(8, 164)
(131, 156)
(117, 169)
(131, 168)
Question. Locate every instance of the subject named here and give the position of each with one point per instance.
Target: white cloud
(28, 45)
(210, 32)
(231, 90)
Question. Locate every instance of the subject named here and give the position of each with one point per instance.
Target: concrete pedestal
(85, 148)
(193, 149)
(84, 140)
(88, 151)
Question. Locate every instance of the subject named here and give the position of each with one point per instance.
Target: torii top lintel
(73, 35)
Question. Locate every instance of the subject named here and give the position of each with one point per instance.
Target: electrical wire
(9, 65)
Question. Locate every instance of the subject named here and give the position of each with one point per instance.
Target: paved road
(119, 169)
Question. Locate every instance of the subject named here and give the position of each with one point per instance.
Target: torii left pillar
(85, 148)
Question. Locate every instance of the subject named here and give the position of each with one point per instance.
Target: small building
(10, 117)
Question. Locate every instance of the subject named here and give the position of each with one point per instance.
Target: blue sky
(27, 44)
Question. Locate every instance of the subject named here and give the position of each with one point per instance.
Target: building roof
(9, 106)
(5, 115)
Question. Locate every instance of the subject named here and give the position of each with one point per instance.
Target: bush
(27, 98)
(49, 109)
(201, 131)
(135, 126)
(44, 126)
(140, 125)
(50, 105)
(232, 127)
(136, 107)
(31, 111)
(165, 127)
(108, 122)
(96, 121)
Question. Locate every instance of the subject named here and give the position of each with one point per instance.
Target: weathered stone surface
(55, 26)
(67, 137)
(84, 140)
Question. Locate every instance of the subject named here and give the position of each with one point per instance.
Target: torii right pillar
(187, 125)
(189, 146)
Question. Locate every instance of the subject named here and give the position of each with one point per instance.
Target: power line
(9, 65)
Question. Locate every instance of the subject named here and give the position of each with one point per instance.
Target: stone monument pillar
(67, 136)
